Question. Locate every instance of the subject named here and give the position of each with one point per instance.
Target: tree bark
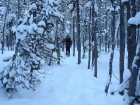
(78, 33)
(134, 75)
(57, 44)
(131, 43)
(73, 36)
(89, 39)
(112, 53)
(122, 43)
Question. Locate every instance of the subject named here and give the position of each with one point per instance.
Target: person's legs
(66, 50)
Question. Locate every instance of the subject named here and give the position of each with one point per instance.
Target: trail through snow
(69, 84)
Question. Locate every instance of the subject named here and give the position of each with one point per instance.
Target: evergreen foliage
(32, 45)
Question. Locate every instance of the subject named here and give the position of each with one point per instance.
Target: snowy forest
(34, 30)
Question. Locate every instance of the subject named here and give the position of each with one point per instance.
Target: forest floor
(71, 84)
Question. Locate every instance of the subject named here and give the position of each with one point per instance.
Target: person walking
(68, 43)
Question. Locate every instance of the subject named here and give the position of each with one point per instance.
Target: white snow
(52, 2)
(32, 28)
(42, 23)
(7, 58)
(137, 17)
(123, 1)
(21, 32)
(70, 6)
(2, 10)
(117, 9)
(96, 8)
(135, 20)
(14, 29)
(33, 6)
(4, 80)
(88, 4)
(12, 73)
(70, 84)
(50, 46)
(132, 21)
(51, 8)
(40, 30)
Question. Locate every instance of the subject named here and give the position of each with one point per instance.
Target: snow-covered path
(68, 84)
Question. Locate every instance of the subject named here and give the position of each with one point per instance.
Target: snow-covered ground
(70, 84)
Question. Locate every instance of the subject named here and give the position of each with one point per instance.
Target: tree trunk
(94, 38)
(73, 36)
(112, 53)
(89, 38)
(95, 53)
(3, 36)
(134, 75)
(78, 33)
(122, 45)
(131, 36)
(84, 39)
(19, 11)
(57, 44)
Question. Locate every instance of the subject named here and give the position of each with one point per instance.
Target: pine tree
(32, 45)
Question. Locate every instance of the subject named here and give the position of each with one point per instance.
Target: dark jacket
(68, 41)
